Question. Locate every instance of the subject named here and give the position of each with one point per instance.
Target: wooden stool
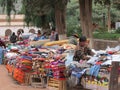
(27, 78)
(35, 80)
(57, 84)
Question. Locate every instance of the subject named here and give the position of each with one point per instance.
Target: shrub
(118, 30)
(72, 30)
(107, 36)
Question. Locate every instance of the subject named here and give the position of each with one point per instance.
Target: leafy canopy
(37, 12)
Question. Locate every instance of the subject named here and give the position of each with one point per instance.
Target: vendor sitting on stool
(82, 50)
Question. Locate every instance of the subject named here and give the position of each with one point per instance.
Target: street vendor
(82, 50)
(73, 39)
(13, 38)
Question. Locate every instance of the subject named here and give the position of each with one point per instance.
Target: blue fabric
(42, 37)
(1, 55)
(76, 74)
(94, 70)
(69, 59)
(37, 38)
(27, 57)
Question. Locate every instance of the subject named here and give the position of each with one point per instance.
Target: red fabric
(19, 75)
(98, 63)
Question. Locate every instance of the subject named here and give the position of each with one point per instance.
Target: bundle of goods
(98, 74)
(25, 63)
(58, 68)
(38, 65)
(75, 75)
(57, 74)
(24, 42)
(19, 75)
(61, 42)
(69, 46)
(10, 61)
(101, 62)
(38, 43)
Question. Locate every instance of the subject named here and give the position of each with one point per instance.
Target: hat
(75, 35)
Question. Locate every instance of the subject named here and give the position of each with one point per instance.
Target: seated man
(73, 39)
(82, 50)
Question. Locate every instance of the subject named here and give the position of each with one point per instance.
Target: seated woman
(13, 38)
(43, 36)
(52, 36)
(38, 36)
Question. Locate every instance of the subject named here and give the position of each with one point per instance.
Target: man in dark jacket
(13, 38)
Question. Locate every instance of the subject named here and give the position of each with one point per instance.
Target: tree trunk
(60, 21)
(109, 19)
(113, 85)
(86, 19)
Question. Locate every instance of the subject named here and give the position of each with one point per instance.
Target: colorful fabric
(94, 70)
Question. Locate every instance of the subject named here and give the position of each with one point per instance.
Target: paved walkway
(7, 82)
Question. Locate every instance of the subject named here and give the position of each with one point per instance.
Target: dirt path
(7, 83)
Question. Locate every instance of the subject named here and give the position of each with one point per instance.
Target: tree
(106, 3)
(60, 13)
(86, 19)
(40, 12)
(99, 15)
(73, 18)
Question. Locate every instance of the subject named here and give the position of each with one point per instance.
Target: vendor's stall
(52, 66)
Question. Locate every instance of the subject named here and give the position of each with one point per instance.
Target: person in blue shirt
(43, 36)
(38, 36)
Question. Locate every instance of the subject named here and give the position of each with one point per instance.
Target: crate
(57, 84)
(35, 81)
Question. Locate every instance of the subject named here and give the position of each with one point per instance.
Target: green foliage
(115, 16)
(73, 29)
(103, 34)
(107, 36)
(118, 30)
(8, 6)
(116, 4)
(37, 12)
(101, 30)
(103, 2)
(98, 12)
(73, 22)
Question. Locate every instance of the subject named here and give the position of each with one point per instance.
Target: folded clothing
(26, 57)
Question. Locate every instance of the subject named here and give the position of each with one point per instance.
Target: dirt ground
(7, 82)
